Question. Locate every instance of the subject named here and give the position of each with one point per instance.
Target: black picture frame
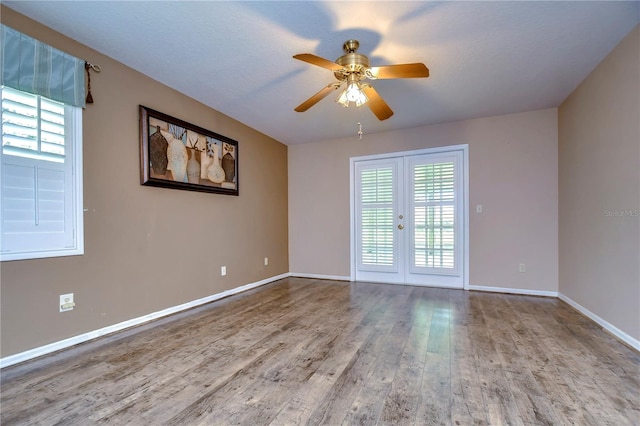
(170, 149)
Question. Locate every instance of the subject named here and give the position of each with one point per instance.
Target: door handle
(401, 227)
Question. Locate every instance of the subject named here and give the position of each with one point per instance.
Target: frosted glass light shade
(353, 93)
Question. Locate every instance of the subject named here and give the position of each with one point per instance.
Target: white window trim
(75, 130)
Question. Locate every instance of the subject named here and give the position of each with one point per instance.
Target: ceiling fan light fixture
(353, 93)
(350, 69)
(342, 99)
(362, 99)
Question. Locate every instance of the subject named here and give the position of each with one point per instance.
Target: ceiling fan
(351, 69)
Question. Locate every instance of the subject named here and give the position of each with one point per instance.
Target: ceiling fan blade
(317, 60)
(377, 105)
(317, 97)
(417, 70)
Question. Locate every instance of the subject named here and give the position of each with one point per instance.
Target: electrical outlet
(223, 271)
(522, 267)
(266, 261)
(66, 302)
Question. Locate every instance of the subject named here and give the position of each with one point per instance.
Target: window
(434, 214)
(41, 177)
(377, 216)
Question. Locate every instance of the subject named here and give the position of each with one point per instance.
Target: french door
(408, 218)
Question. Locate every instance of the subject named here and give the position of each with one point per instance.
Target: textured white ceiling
(485, 58)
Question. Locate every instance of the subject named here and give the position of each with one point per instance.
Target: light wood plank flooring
(301, 351)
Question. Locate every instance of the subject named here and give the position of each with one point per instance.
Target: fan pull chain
(360, 133)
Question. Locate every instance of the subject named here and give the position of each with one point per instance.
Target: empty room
(320, 212)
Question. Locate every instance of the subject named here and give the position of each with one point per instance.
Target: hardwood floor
(301, 351)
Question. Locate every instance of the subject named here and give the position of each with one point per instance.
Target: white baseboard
(634, 343)
(66, 343)
(85, 337)
(522, 291)
(320, 277)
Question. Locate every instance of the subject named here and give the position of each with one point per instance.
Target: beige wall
(599, 157)
(146, 249)
(513, 174)
(145, 252)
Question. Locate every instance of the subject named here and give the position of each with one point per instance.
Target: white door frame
(465, 200)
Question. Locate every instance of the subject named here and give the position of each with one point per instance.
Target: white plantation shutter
(32, 126)
(43, 92)
(33, 207)
(434, 221)
(376, 211)
(41, 177)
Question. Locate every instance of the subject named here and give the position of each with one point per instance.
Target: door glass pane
(377, 186)
(377, 217)
(433, 182)
(433, 215)
(377, 236)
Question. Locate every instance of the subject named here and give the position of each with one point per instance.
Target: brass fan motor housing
(353, 63)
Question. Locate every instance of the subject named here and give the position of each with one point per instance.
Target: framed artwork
(176, 154)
